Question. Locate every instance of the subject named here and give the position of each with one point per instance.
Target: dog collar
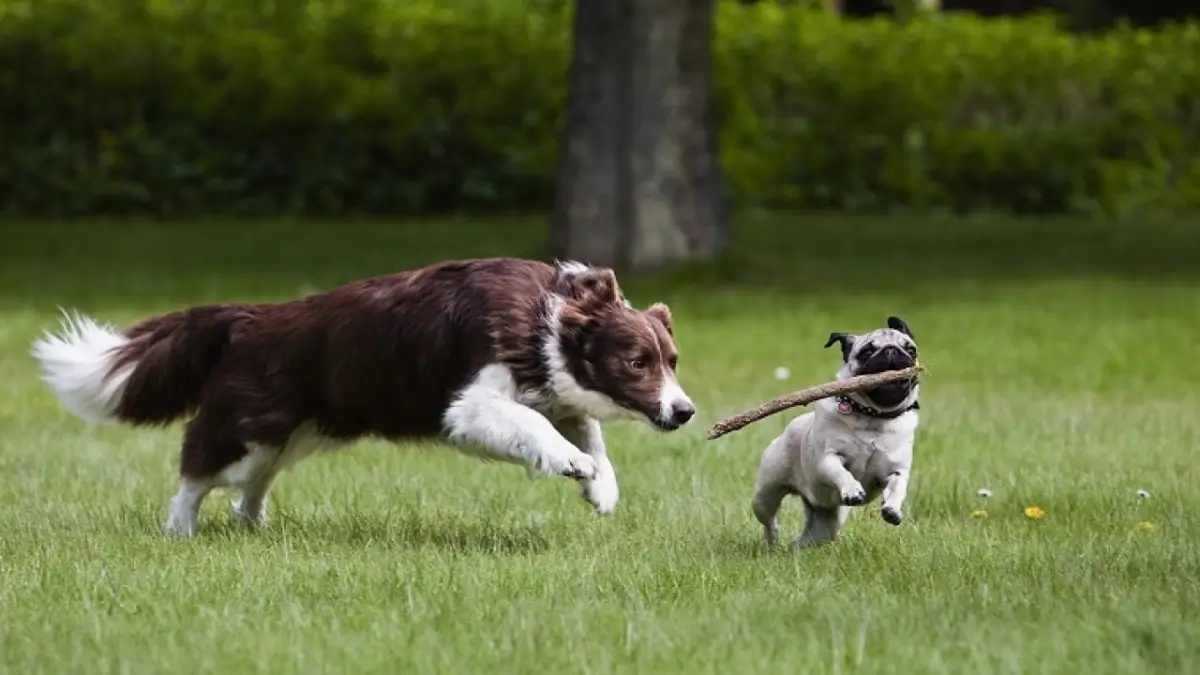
(847, 405)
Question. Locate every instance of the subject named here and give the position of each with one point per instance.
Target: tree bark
(639, 186)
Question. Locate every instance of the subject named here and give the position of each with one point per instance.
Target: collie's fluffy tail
(152, 373)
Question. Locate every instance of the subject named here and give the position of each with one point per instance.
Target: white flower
(782, 373)
(1143, 494)
(984, 492)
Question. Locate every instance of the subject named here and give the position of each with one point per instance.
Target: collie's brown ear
(662, 313)
(591, 287)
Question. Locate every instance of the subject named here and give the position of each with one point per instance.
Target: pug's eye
(637, 364)
(911, 349)
(866, 352)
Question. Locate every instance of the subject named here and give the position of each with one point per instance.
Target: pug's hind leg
(821, 525)
(767, 499)
(771, 485)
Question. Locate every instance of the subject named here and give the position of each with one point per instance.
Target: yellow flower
(979, 513)
(1146, 526)
(1034, 512)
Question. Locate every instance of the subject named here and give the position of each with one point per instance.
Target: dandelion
(1143, 494)
(1146, 526)
(782, 373)
(984, 492)
(979, 514)
(1034, 512)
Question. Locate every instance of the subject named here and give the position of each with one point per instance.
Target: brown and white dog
(509, 359)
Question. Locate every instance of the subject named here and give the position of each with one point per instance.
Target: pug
(849, 449)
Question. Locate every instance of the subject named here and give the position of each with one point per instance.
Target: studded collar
(847, 405)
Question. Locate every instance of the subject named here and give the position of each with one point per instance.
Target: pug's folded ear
(847, 341)
(898, 324)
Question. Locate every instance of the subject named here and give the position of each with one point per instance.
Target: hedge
(405, 107)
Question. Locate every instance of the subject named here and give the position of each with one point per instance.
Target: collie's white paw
(602, 492)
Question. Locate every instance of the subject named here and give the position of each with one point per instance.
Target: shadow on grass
(446, 532)
(98, 264)
(396, 531)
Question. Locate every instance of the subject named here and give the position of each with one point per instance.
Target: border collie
(507, 359)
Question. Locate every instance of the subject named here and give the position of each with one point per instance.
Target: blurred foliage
(958, 113)
(341, 107)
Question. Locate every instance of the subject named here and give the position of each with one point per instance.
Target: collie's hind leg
(255, 473)
(184, 507)
(211, 458)
(252, 476)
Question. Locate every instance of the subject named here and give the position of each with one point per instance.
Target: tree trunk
(639, 186)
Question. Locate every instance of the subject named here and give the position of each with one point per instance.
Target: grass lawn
(1062, 374)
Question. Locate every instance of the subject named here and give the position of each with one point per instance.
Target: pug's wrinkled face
(891, 348)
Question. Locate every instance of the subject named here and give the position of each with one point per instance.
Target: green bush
(337, 107)
(237, 106)
(958, 113)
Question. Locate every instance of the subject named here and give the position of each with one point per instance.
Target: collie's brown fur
(385, 356)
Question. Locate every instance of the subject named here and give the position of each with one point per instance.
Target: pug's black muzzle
(889, 358)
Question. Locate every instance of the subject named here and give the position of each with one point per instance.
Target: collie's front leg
(484, 416)
(600, 490)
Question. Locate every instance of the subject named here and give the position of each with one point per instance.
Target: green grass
(1062, 374)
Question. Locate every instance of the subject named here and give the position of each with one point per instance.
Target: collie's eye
(673, 362)
(637, 364)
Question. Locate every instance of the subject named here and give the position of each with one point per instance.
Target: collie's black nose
(681, 412)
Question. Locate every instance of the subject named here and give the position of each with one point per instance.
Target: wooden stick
(806, 396)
